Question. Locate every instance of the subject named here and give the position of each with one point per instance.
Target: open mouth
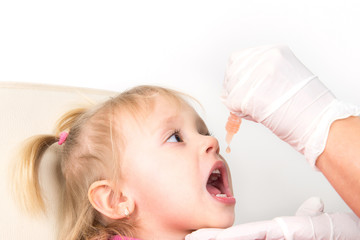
(218, 185)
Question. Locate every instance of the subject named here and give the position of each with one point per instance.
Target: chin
(223, 221)
(228, 223)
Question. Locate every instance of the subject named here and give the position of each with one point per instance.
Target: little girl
(141, 165)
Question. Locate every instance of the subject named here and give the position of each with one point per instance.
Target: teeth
(216, 171)
(221, 195)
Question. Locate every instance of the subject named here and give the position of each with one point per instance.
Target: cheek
(144, 176)
(153, 177)
(153, 186)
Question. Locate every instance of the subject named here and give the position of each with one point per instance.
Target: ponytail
(26, 173)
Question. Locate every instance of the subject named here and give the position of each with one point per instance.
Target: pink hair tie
(62, 137)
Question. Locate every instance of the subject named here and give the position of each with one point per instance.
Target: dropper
(232, 127)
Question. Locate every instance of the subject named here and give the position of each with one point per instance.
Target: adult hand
(310, 223)
(270, 85)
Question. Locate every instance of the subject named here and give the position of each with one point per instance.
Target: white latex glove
(270, 85)
(310, 223)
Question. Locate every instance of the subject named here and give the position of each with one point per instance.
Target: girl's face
(173, 172)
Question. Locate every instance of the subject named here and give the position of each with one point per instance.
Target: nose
(210, 145)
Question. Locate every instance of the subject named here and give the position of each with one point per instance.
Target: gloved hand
(270, 85)
(310, 223)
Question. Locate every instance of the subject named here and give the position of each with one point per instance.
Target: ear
(105, 200)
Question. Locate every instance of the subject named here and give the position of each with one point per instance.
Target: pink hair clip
(62, 137)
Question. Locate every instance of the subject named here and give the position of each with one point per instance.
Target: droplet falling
(228, 149)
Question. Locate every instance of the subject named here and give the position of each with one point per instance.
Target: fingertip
(311, 207)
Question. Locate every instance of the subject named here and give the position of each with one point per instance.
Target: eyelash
(176, 132)
(207, 133)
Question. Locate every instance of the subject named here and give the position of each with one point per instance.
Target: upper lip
(224, 176)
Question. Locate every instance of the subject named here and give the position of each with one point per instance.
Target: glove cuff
(317, 141)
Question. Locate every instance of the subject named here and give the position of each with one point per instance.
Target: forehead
(169, 111)
(161, 110)
(166, 110)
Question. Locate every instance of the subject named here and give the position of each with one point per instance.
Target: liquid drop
(228, 149)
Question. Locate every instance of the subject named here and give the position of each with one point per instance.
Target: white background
(185, 45)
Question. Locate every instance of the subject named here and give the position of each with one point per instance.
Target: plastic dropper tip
(229, 137)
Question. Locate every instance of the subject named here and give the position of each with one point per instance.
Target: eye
(209, 134)
(175, 137)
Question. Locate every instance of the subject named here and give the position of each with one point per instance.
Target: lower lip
(226, 200)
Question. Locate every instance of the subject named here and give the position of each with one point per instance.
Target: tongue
(212, 190)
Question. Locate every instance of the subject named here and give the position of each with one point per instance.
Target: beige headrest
(27, 110)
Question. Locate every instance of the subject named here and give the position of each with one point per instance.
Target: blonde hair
(91, 153)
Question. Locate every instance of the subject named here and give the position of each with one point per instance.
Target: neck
(160, 234)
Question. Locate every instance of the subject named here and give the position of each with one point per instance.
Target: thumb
(311, 207)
